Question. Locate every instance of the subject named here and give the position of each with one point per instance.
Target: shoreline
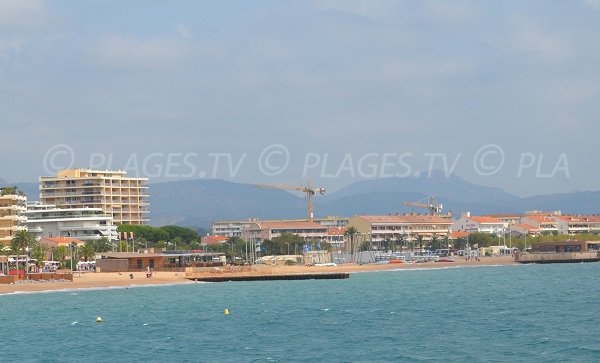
(113, 280)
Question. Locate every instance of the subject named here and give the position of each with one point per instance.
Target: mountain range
(199, 202)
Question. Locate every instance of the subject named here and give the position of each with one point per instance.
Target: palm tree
(88, 251)
(21, 241)
(401, 241)
(351, 233)
(38, 252)
(59, 253)
(434, 240)
(420, 240)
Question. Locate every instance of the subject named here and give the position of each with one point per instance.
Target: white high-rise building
(81, 223)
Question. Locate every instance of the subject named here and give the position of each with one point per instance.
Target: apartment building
(482, 224)
(392, 227)
(234, 228)
(542, 223)
(12, 220)
(575, 224)
(49, 221)
(260, 231)
(125, 198)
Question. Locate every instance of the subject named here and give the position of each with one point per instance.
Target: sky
(501, 93)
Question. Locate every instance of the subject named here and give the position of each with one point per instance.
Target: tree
(401, 241)
(88, 251)
(482, 239)
(38, 252)
(286, 241)
(460, 242)
(365, 246)
(74, 251)
(434, 241)
(351, 233)
(21, 241)
(420, 240)
(102, 245)
(59, 253)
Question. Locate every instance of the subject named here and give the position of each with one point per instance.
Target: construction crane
(432, 204)
(308, 190)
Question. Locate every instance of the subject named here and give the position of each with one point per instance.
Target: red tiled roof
(459, 234)
(485, 219)
(213, 240)
(60, 241)
(540, 218)
(337, 231)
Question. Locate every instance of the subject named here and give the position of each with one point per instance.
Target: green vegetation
(38, 252)
(352, 233)
(169, 237)
(20, 242)
(10, 191)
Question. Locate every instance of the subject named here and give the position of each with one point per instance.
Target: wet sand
(113, 279)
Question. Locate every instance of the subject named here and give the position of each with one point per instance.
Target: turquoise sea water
(486, 314)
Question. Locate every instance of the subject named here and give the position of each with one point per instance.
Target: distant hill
(200, 202)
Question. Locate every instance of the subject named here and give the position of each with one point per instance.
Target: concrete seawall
(557, 257)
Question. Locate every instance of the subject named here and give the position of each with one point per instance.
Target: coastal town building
(231, 228)
(80, 223)
(509, 219)
(482, 224)
(336, 237)
(213, 240)
(260, 231)
(12, 220)
(53, 242)
(523, 229)
(234, 228)
(566, 246)
(573, 224)
(407, 226)
(543, 223)
(156, 260)
(125, 198)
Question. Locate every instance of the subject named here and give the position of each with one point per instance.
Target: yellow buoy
(98, 319)
(226, 312)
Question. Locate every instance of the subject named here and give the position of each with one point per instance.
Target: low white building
(482, 224)
(46, 220)
(235, 228)
(575, 224)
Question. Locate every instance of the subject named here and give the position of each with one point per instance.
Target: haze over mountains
(199, 202)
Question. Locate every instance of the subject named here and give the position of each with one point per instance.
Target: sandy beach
(113, 279)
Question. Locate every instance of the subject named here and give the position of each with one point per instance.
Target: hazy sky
(508, 91)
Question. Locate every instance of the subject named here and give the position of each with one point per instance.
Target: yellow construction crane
(432, 204)
(308, 191)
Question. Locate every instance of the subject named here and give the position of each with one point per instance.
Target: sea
(521, 313)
